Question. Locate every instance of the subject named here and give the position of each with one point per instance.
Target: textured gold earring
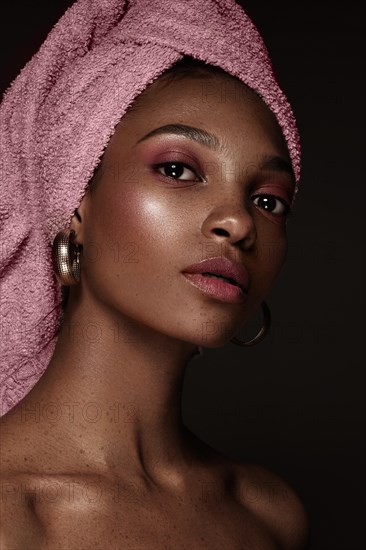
(261, 334)
(66, 257)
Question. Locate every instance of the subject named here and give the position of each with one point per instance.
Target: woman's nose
(232, 223)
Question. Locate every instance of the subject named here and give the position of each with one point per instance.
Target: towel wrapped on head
(56, 120)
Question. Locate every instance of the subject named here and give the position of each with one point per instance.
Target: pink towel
(56, 120)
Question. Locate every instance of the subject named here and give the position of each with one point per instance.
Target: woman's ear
(78, 220)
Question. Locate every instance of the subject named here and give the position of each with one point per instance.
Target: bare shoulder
(19, 527)
(274, 502)
(264, 495)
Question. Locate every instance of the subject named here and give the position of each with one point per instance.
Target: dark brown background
(295, 402)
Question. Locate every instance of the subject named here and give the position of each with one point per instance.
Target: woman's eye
(177, 170)
(272, 204)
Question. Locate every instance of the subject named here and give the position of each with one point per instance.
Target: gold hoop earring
(66, 257)
(263, 331)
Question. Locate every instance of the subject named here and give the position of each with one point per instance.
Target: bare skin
(96, 455)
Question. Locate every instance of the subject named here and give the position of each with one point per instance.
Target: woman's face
(170, 196)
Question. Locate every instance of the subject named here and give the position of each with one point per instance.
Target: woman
(166, 251)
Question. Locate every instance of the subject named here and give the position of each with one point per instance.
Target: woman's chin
(217, 340)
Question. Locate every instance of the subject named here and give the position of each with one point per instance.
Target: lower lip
(217, 288)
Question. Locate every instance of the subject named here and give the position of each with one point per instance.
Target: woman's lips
(220, 278)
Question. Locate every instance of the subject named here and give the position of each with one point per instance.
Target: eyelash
(179, 164)
(265, 196)
(284, 204)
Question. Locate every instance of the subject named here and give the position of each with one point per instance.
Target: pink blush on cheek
(135, 216)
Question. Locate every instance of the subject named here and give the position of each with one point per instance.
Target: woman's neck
(113, 390)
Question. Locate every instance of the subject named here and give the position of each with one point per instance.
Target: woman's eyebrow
(196, 134)
(277, 164)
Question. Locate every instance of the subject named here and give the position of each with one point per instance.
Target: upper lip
(222, 266)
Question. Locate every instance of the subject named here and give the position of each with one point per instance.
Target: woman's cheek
(271, 247)
(273, 253)
(139, 222)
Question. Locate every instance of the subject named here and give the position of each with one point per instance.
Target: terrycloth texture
(57, 118)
